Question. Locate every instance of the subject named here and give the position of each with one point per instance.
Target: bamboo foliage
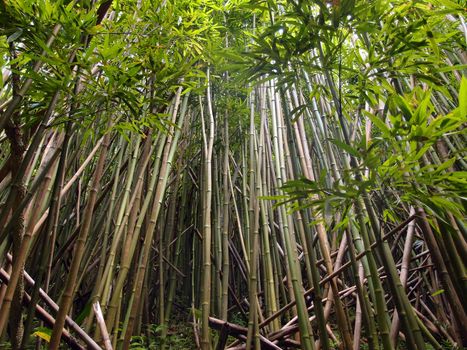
(275, 175)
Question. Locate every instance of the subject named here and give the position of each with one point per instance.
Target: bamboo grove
(273, 174)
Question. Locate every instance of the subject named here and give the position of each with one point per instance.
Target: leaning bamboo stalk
(50, 303)
(37, 203)
(20, 238)
(359, 314)
(403, 275)
(130, 245)
(100, 273)
(164, 172)
(127, 205)
(444, 276)
(80, 247)
(47, 240)
(70, 183)
(100, 321)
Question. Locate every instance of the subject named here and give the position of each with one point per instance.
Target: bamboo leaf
(43, 333)
(15, 35)
(379, 124)
(349, 149)
(445, 165)
(463, 97)
(438, 292)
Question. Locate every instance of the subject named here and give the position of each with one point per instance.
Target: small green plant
(178, 337)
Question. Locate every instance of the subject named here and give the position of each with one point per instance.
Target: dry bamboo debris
(291, 327)
(238, 331)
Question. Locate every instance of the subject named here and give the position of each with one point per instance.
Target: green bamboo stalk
(225, 223)
(290, 245)
(208, 139)
(79, 249)
(254, 172)
(169, 151)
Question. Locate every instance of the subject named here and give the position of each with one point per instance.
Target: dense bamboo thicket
(253, 174)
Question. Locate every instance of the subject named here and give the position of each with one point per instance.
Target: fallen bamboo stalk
(101, 322)
(239, 332)
(45, 316)
(91, 344)
(336, 272)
